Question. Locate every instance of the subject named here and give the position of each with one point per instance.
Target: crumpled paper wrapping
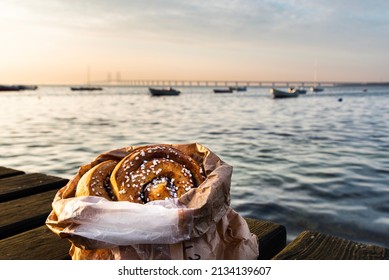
(199, 225)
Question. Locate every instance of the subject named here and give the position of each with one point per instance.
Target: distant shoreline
(363, 84)
(210, 84)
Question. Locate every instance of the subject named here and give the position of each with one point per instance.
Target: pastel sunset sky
(56, 41)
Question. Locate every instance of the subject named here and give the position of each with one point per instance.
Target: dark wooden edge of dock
(311, 245)
(25, 203)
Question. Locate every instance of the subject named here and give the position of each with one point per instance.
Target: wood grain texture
(8, 172)
(25, 202)
(271, 237)
(25, 213)
(318, 246)
(36, 244)
(28, 184)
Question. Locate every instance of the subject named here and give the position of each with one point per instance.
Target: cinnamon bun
(146, 174)
(96, 182)
(154, 173)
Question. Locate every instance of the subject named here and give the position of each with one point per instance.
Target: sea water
(318, 162)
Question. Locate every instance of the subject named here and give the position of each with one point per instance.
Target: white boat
(316, 89)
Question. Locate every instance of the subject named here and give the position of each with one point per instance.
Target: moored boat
(27, 87)
(223, 90)
(316, 89)
(298, 90)
(276, 93)
(164, 91)
(85, 88)
(241, 89)
(238, 88)
(17, 87)
(9, 88)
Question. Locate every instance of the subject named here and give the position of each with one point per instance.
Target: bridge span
(212, 83)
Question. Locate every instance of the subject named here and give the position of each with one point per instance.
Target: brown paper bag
(199, 225)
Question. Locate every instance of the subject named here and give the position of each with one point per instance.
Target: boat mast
(88, 75)
(315, 72)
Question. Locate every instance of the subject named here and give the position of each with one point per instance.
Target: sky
(68, 42)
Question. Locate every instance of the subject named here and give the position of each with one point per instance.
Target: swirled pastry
(96, 181)
(154, 173)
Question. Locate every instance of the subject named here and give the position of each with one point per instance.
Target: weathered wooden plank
(9, 172)
(28, 184)
(25, 213)
(36, 244)
(42, 244)
(271, 237)
(318, 246)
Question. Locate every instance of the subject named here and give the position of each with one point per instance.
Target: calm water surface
(310, 162)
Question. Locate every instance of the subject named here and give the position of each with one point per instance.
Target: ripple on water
(310, 163)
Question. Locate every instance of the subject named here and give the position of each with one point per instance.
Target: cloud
(179, 21)
(289, 31)
(221, 22)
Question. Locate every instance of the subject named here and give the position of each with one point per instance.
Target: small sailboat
(87, 87)
(316, 87)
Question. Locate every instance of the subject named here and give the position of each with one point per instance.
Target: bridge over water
(212, 83)
(227, 83)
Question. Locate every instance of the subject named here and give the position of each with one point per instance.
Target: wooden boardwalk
(25, 203)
